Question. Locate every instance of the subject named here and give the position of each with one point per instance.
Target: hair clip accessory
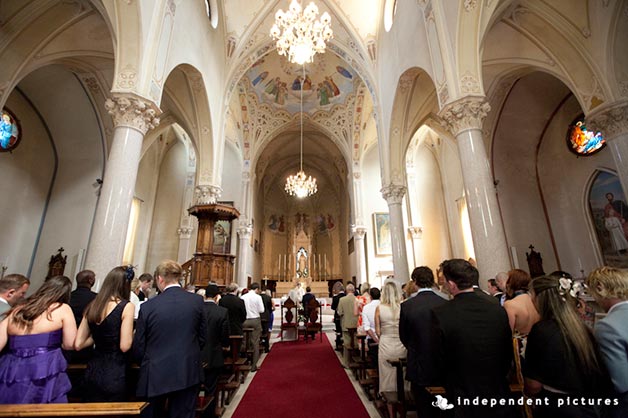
(129, 273)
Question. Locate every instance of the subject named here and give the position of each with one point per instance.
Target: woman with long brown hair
(34, 370)
(108, 323)
(562, 360)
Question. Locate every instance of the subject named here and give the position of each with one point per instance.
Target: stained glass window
(10, 132)
(582, 141)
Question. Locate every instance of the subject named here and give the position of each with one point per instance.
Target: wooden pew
(73, 409)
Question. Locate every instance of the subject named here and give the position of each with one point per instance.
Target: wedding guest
(33, 370)
(338, 292)
(13, 287)
(416, 334)
(171, 331)
(387, 330)
(348, 319)
(254, 308)
(107, 324)
(146, 282)
(501, 279)
(368, 325)
(83, 295)
(609, 288)
(520, 309)
(562, 359)
(360, 301)
(236, 308)
(217, 338)
(493, 289)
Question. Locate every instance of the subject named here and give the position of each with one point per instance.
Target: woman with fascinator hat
(108, 323)
(563, 363)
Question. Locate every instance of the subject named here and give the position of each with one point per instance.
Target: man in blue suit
(609, 288)
(171, 331)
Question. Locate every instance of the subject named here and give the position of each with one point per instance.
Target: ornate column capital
(393, 193)
(415, 231)
(207, 194)
(133, 112)
(611, 120)
(466, 113)
(245, 232)
(358, 231)
(185, 232)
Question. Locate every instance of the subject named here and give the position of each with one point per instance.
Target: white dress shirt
(253, 303)
(368, 315)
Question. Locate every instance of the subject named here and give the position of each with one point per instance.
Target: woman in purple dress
(33, 369)
(108, 323)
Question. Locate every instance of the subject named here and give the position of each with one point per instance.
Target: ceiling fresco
(276, 81)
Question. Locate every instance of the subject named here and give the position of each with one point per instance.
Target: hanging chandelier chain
(301, 113)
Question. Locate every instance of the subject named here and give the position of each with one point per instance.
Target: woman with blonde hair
(108, 323)
(387, 329)
(562, 357)
(33, 369)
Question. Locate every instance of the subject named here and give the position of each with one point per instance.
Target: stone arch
(128, 46)
(185, 96)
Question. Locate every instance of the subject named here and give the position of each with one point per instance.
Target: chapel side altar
(212, 260)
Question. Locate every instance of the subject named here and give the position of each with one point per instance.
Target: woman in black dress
(562, 361)
(108, 323)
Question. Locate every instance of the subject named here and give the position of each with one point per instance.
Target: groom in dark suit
(474, 344)
(171, 331)
(416, 334)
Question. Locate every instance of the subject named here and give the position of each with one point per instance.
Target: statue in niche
(302, 269)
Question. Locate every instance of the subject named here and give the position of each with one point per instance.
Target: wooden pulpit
(213, 260)
(56, 266)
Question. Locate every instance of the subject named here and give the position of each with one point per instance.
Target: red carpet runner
(299, 379)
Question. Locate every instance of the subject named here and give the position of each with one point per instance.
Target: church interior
(136, 131)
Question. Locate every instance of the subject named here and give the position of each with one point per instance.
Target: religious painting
(582, 141)
(325, 223)
(276, 224)
(10, 131)
(609, 211)
(222, 237)
(381, 225)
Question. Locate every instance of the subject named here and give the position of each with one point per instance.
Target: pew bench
(73, 409)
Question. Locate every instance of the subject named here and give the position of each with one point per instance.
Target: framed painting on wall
(610, 218)
(381, 226)
(222, 237)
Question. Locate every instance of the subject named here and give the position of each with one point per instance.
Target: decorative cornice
(133, 112)
(185, 232)
(359, 231)
(415, 231)
(466, 113)
(206, 194)
(393, 193)
(611, 120)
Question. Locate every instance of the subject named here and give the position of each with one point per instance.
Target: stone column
(360, 256)
(464, 119)
(612, 121)
(416, 232)
(393, 193)
(132, 117)
(206, 194)
(184, 233)
(245, 230)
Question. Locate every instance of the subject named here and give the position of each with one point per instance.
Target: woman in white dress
(387, 329)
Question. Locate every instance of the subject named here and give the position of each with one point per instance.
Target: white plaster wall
(164, 241)
(232, 191)
(26, 174)
(145, 190)
(69, 114)
(372, 201)
(434, 243)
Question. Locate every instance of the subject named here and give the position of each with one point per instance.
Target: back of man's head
(461, 272)
(231, 287)
(501, 278)
(308, 289)
(12, 282)
(350, 288)
(85, 278)
(423, 277)
(375, 293)
(254, 286)
(170, 271)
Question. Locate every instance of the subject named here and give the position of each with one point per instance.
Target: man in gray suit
(609, 287)
(348, 319)
(13, 287)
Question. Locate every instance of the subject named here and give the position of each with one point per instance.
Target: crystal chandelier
(299, 36)
(300, 185)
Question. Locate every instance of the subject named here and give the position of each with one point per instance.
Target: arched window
(581, 141)
(390, 9)
(10, 131)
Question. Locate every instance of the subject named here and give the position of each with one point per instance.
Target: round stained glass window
(582, 141)
(10, 131)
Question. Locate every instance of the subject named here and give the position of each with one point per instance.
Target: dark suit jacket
(79, 299)
(485, 295)
(268, 307)
(171, 331)
(334, 304)
(237, 313)
(417, 335)
(217, 335)
(474, 342)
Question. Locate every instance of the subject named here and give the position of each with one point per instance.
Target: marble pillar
(245, 231)
(184, 253)
(464, 119)
(416, 232)
(612, 121)
(393, 194)
(132, 117)
(360, 257)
